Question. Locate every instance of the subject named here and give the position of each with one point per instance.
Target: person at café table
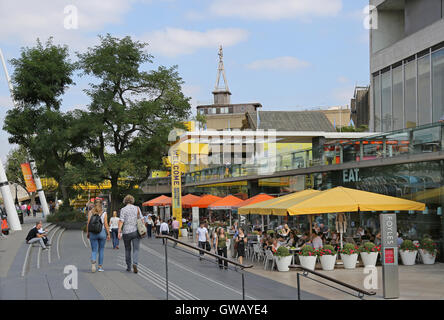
(285, 232)
(291, 241)
(275, 246)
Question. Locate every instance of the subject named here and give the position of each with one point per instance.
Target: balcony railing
(419, 140)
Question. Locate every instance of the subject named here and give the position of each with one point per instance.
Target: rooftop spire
(221, 95)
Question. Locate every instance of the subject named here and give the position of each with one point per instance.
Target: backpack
(95, 224)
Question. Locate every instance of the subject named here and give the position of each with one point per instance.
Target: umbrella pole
(262, 223)
(341, 239)
(230, 218)
(311, 225)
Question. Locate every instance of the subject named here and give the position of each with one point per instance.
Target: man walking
(164, 229)
(202, 238)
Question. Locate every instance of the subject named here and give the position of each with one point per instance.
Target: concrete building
(360, 107)
(406, 63)
(338, 116)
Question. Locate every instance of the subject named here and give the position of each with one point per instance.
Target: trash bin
(20, 215)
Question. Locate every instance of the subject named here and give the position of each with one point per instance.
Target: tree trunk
(115, 196)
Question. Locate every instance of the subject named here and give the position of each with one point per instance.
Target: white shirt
(114, 223)
(164, 227)
(202, 233)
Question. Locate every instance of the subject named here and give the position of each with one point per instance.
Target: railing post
(166, 265)
(299, 287)
(243, 286)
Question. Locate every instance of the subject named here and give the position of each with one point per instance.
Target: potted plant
(369, 253)
(327, 256)
(428, 251)
(283, 258)
(349, 255)
(307, 257)
(408, 251)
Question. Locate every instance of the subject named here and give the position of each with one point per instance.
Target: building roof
(290, 121)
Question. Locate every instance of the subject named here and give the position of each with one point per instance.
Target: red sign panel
(389, 256)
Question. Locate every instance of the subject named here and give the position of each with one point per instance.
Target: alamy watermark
(71, 20)
(371, 281)
(371, 17)
(71, 281)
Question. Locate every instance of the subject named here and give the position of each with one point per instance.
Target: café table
(293, 252)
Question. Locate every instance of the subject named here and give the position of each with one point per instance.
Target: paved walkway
(43, 277)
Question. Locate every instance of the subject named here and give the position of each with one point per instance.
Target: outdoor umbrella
(203, 202)
(189, 199)
(159, 201)
(266, 207)
(256, 199)
(227, 203)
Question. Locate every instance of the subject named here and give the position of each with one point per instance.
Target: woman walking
(158, 225)
(97, 216)
(241, 241)
(114, 226)
(221, 245)
(131, 239)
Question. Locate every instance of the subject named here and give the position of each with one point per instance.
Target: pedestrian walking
(157, 225)
(97, 231)
(164, 229)
(149, 225)
(114, 226)
(241, 241)
(202, 238)
(131, 239)
(175, 226)
(221, 246)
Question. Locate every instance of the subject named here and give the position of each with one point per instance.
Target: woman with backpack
(97, 231)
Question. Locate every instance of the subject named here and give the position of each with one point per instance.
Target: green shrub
(282, 252)
(326, 250)
(408, 245)
(67, 215)
(369, 247)
(349, 248)
(429, 245)
(307, 251)
(270, 231)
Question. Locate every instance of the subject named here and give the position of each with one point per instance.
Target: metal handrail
(166, 238)
(306, 271)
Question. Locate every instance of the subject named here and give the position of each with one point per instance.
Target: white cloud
(25, 20)
(343, 79)
(173, 41)
(275, 9)
(342, 96)
(280, 63)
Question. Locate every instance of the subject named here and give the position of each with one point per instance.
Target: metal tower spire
(221, 95)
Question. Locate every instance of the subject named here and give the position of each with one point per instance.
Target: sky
(285, 54)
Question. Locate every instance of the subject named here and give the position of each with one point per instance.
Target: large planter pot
(282, 263)
(184, 232)
(426, 257)
(369, 259)
(349, 260)
(408, 257)
(328, 262)
(308, 262)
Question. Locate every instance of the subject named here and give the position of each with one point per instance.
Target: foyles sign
(388, 230)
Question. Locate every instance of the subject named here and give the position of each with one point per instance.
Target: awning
(159, 201)
(265, 207)
(203, 202)
(256, 199)
(189, 199)
(226, 203)
(342, 199)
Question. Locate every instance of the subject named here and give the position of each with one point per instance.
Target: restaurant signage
(389, 250)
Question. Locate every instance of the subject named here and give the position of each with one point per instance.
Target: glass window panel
(386, 101)
(398, 110)
(410, 94)
(377, 102)
(424, 108)
(438, 84)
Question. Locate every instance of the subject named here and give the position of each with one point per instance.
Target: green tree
(131, 111)
(53, 138)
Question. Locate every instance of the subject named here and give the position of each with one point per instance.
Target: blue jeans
(98, 241)
(114, 233)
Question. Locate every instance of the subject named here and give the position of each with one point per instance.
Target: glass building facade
(411, 92)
